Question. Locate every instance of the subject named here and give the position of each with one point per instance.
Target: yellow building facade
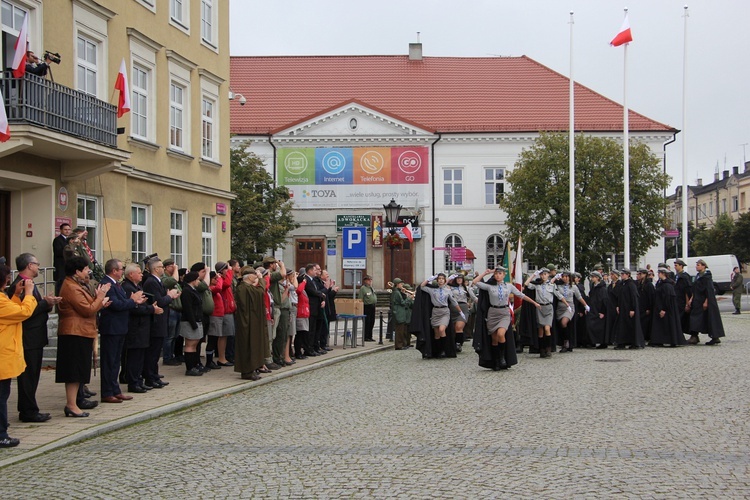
(157, 179)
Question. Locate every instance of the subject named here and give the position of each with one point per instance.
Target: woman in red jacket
(303, 318)
(215, 321)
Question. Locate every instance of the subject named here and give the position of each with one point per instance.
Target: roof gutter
(432, 164)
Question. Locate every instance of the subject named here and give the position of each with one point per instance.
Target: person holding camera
(13, 311)
(35, 66)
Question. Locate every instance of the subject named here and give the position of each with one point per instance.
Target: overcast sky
(718, 44)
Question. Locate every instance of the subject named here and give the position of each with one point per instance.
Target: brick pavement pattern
(661, 423)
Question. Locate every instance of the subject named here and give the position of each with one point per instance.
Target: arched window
(495, 247)
(452, 240)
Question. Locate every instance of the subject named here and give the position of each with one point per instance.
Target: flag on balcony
(121, 84)
(408, 232)
(19, 59)
(4, 127)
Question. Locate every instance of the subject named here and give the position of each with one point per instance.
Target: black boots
(545, 349)
(498, 357)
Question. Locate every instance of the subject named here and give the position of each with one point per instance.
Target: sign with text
(354, 241)
(354, 177)
(352, 220)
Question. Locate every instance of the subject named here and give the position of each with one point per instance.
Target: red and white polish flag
(121, 84)
(4, 127)
(624, 36)
(19, 59)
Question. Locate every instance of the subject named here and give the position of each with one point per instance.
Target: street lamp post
(392, 211)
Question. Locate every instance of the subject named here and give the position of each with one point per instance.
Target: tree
(262, 213)
(741, 238)
(538, 203)
(674, 247)
(716, 240)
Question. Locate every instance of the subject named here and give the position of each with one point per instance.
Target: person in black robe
(482, 338)
(645, 301)
(582, 336)
(628, 329)
(421, 328)
(683, 288)
(528, 325)
(596, 318)
(613, 294)
(704, 311)
(666, 328)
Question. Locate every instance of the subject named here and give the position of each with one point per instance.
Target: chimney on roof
(747, 166)
(725, 174)
(415, 50)
(699, 182)
(716, 176)
(735, 170)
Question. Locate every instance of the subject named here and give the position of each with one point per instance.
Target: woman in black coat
(598, 317)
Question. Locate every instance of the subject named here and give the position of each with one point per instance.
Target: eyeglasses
(35, 263)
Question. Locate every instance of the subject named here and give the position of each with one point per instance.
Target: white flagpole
(626, 154)
(684, 144)
(571, 156)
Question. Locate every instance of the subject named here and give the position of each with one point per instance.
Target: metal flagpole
(571, 156)
(626, 154)
(684, 143)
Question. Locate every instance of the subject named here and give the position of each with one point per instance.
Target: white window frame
(451, 185)
(90, 225)
(692, 214)
(143, 56)
(34, 9)
(494, 252)
(177, 116)
(210, 86)
(710, 208)
(91, 25)
(148, 4)
(208, 239)
(179, 74)
(208, 128)
(494, 182)
(179, 14)
(735, 203)
(208, 23)
(139, 123)
(137, 254)
(178, 237)
(452, 240)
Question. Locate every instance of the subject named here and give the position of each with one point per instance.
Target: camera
(55, 57)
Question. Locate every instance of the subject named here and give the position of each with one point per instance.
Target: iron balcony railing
(44, 103)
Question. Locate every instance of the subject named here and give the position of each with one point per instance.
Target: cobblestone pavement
(662, 423)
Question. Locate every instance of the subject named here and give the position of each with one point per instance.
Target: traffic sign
(354, 239)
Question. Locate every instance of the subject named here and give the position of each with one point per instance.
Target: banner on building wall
(355, 177)
(377, 231)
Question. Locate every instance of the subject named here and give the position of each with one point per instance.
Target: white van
(721, 267)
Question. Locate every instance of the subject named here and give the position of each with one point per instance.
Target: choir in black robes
(628, 328)
(596, 326)
(666, 329)
(706, 320)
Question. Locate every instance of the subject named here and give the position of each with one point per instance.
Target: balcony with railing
(54, 121)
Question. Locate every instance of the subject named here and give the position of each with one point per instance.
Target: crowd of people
(130, 317)
(555, 313)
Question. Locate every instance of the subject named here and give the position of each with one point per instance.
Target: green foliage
(262, 213)
(674, 246)
(538, 204)
(717, 240)
(741, 238)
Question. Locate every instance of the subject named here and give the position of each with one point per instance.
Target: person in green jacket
(369, 301)
(401, 306)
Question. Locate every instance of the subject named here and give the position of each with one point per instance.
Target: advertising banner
(355, 177)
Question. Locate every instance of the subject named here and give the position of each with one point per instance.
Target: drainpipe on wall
(432, 181)
(270, 141)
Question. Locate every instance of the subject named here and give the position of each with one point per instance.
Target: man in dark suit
(34, 340)
(139, 330)
(157, 295)
(314, 289)
(58, 245)
(113, 326)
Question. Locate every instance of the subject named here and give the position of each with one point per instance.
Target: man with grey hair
(113, 327)
(34, 340)
(157, 295)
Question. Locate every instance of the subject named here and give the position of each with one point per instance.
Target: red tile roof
(441, 94)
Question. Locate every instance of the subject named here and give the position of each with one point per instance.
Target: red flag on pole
(407, 232)
(121, 84)
(4, 127)
(624, 36)
(19, 59)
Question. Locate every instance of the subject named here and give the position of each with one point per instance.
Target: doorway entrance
(309, 250)
(402, 263)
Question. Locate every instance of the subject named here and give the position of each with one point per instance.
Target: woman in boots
(498, 313)
(464, 296)
(442, 301)
(545, 294)
(565, 312)
(191, 323)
